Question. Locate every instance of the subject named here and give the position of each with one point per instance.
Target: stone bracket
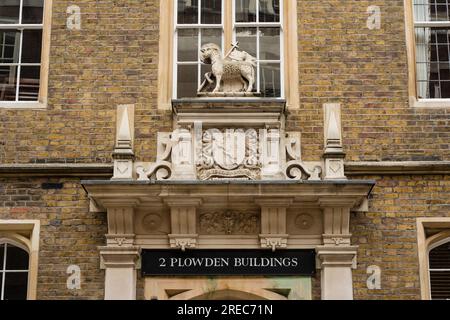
(183, 241)
(273, 241)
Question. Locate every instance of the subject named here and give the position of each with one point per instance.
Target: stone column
(120, 264)
(120, 258)
(336, 257)
(336, 265)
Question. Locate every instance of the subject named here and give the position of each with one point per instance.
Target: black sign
(228, 262)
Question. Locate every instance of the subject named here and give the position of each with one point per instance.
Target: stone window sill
(430, 103)
(23, 105)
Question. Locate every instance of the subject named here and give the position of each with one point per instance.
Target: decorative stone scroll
(228, 154)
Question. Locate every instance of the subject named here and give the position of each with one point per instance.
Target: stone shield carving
(232, 154)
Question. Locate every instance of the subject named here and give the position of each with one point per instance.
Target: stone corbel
(273, 241)
(334, 153)
(120, 225)
(183, 241)
(183, 218)
(123, 153)
(273, 222)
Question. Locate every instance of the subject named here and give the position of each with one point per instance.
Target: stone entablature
(230, 177)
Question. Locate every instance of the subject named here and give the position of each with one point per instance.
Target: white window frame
(24, 234)
(45, 26)
(411, 25)
(431, 247)
(235, 25)
(425, 244)
(199, 26)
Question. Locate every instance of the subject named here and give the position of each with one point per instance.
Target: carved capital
(119, 257)
(332, 256)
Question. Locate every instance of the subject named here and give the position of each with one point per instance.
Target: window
(21, 37)
(439, 268)
(14, 262)
(432, 39)
(257, 27)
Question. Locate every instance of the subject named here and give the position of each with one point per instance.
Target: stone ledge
(397, 167)
(56, 169)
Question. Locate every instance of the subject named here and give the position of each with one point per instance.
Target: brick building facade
(56, 156)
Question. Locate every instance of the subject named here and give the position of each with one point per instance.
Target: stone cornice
(396, 167)
(105, 170)
(57, 169)
(289, 192)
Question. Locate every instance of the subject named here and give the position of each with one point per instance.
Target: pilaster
(120, 264)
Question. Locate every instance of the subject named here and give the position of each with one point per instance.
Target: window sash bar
(21, 26)
(199, 26)
(432, 24)
(16, 64)
(440, 270)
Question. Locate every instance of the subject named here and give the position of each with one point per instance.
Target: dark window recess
(13, 272)
(49, 186)
(440, 272)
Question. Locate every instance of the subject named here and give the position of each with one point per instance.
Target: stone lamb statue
(234, 73)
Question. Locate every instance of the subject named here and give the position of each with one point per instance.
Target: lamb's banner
(228, 262)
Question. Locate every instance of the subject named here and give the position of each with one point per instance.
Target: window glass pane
(245, 10)
(440, 257)
(188, 45)
(212, 36)
(29, 83)
(269, 10)
(187, 11)
(440, 285)
(247, 40)
(16, 285)
(9, 11)
(8, 83)
(2, 254)
(211, 11)
(9, 46)
(16, 258)
(269, 44)
(32, 11)
(32, 44)
(187, 81)
(270, 83)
